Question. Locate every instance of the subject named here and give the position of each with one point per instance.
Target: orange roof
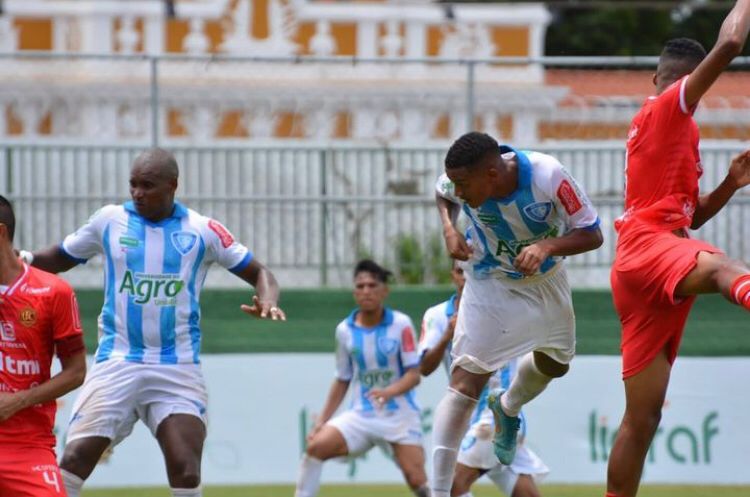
(732, 89)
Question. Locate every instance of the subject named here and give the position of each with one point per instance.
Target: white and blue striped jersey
(547, 203)
(153, 276)
(434, 324)
(375, 358)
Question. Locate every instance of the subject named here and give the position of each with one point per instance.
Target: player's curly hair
(369, 266)
(470, 149)
(7, 217)
(684, 49)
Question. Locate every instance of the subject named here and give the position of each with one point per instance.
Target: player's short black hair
(369, 266)
(7, 217)
(684, 50)
(470, 149)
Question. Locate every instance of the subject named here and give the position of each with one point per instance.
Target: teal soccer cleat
(506, 429)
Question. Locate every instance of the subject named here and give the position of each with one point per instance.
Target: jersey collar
(386, 321)
(21, 278)
(524, 174)
(178, 212)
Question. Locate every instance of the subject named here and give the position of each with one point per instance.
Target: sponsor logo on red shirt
(224, 235)
(567, 195)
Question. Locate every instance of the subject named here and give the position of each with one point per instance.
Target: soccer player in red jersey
(38, 318)
(658, 269)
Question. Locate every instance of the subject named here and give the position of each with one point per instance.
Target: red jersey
(663, 162)
(36, 311)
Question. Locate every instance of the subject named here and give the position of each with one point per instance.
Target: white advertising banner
(261, 406)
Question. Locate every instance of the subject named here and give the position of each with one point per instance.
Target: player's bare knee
(80, 456)
(318, 449)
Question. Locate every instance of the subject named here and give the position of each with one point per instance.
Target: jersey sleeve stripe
(77, 260)
(243, 263)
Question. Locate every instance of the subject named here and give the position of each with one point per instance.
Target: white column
(416, 39)
(153, 44)
(366, 39)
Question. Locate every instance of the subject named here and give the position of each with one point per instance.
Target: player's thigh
(328, 443)
(469, 383)
(30, 472)
(181, 438)
(549, 366)
(645, 391)
(713, 272)
(464, 478)
(410, 459)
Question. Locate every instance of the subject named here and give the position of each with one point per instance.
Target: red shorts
(30, 472)
(649, 264)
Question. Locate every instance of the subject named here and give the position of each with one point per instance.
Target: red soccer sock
(740, 291)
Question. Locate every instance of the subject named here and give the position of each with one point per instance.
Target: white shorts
(477, 452)
(364, 432)
(501, 319)
(116, 394)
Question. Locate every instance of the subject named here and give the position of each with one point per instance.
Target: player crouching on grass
(376, 351)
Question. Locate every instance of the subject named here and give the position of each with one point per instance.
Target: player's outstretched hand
(530, 259)
(264, 310)
(739, 169)
(457, 246)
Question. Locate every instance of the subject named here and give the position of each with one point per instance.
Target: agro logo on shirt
(538, 211)
(184, 241)
(514, 247)
(160, 289)
(376, 378)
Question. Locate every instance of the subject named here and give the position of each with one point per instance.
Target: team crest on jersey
(7, 333)
(538, 211)
(184, 241)
(387, 345)
(27, 317)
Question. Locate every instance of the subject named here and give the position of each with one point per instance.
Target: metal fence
(308, 211)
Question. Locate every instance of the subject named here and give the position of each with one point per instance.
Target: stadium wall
(262, 405)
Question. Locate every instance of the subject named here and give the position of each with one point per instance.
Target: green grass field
(402, 491)
(715, 327)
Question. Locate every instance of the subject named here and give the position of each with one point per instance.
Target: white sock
(423, 491)
(451, 421)
(187, 492)
(308, 482)
(73, 483)
(528, 383)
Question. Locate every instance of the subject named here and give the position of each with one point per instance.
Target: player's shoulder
(435, 310)
(108, 211)
(400, 319)
(41, 283)
(545, 168)
(210, 227)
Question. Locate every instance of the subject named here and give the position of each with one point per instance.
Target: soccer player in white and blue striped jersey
(376, 355)
(526, 213)
(147, 365)
(476, 456)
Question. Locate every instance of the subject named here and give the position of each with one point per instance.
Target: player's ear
(653, 79)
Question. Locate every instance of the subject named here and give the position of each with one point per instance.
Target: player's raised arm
(729, 44)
